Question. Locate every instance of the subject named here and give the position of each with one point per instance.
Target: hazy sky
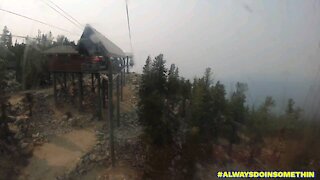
(241, 40)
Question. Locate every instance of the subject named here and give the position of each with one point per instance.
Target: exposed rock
(92, 157)
(71, 121)
(64, 117)
(11, 83)
(27, 148)
(24, 145)
(19, 135)
(35, 135)
(82, 171)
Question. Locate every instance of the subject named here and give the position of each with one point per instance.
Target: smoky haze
(271, 45)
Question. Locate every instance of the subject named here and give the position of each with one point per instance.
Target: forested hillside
(197, 122)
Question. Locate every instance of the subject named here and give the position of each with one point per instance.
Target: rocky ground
(11, 84)
(96, 164)
(60, 142)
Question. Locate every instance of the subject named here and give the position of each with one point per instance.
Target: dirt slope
(60, 154)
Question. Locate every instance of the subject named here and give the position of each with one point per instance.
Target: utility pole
(121, 81)
(104, 93)
(124, 71)
(128, 64)
(80, 79)
(55, 87)
(99, 97)
(110, 112)
(92, 82)
(118, 101)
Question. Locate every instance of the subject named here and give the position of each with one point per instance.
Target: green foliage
(185, 95)
(292, 112)
(290, 106)
(5, 54)
(264, 123)
(207, 114)
(33, 67)
(267, 105)
(237, 107)
(236, 114)
(173, 84)
(202, 104)
(18, 51)
(3, 68)
(44, 41)
(62, 40)
(185, 88)
(6, 37)
(163, 100)
(153, 113)
(208, 106)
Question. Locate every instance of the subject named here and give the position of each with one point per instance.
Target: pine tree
(3, 100)
(152, 105)
(206, 106)
(3, 67)
(267, 105)
(293, 112)
(236, 113)
(9, 43)
(290, 106)
(6, 37)
(185, 91)
(173, 85)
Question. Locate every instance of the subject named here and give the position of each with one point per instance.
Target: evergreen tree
(18, 51)
(237, 107)
(236, 113)
(290, 106)
(173, 85)
(207, 77)
(6, 37)
(267, 105)
(185, 91)
(9, 42)
(4, 129)
(33, 67)
(63, 40)
(207, 106)
(154, 113)
(3, 67)
(292, 112)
